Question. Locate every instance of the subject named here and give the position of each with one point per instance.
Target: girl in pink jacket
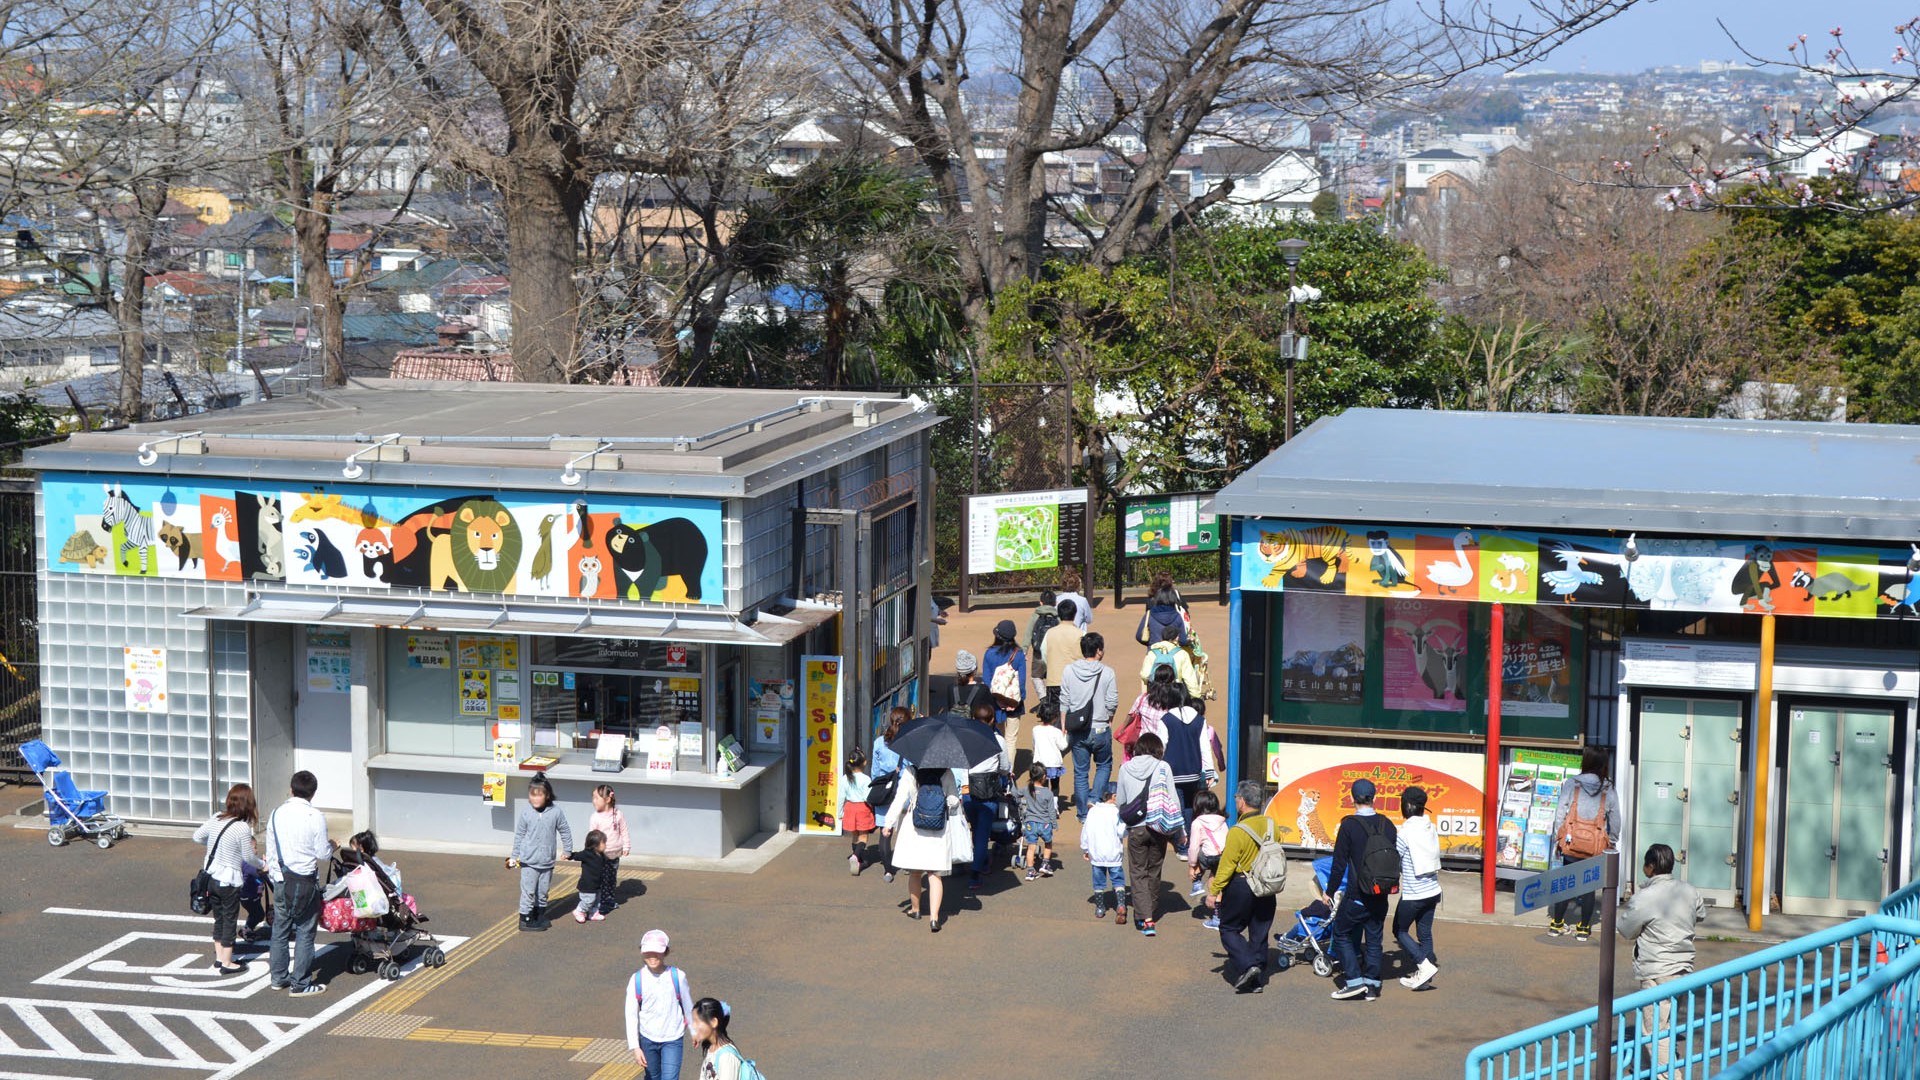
(613, 824)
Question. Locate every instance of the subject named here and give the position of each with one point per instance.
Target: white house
(1865, 149)
(1423, 168)
(1263, 180)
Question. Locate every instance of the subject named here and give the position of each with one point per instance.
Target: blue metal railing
(1904, 904)
(1865, 1034)
(1709, 1020)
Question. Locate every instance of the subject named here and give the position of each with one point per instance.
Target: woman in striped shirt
(229, 839)
(1419, 848)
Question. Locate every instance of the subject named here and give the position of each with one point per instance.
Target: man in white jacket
(1659, 920)
(1419, 846)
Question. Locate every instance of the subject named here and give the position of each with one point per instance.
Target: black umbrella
(944, 742)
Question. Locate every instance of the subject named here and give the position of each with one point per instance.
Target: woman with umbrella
(934, 746)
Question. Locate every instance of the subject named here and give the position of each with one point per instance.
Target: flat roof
(1735, 478)
(654, 440)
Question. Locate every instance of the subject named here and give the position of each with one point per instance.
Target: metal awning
(494, 618)
(790, 625)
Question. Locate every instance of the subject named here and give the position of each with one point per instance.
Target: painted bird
(543, 559)
(1567, 581)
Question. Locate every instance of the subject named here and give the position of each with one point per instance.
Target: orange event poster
(1314, 790)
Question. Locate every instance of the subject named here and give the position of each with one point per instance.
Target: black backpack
(1378, 871)
(930, 808)
(1042, 623)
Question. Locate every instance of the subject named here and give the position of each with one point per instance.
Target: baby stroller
(1312, 930)
(70, 811)
(1007, 835)
(381, 943)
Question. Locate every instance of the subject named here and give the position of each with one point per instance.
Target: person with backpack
(724, 1061)
(1150, 809)
(987, 783)
(1089, 696)
(1419, 846)
(1005, 665)
(1184, 730)
(968, 688)
(1058, 648)
(1040, 622)
(1366, 857)
(658, 1006)
(1165, 608)
(1246, 886)
(887, 765)
(1169, 653)
(1585, 824)
(917, 828)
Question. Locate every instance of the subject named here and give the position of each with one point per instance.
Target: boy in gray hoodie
(1089, 696)
(1659, 920)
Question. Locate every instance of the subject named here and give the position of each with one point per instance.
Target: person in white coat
(923, 853)
(1419, 846)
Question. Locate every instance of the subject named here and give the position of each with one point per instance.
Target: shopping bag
(369, 899)
(959, 840)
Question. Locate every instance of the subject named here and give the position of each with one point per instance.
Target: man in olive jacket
(1245, 919)
(1659, 920)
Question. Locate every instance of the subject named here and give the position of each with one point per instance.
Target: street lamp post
(1292, 346)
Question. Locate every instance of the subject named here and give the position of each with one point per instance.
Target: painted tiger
(1316, 553)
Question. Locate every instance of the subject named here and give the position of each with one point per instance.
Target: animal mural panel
(663, 550)
(1760, 576)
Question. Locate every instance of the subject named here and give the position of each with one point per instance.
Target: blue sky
(1657, 33)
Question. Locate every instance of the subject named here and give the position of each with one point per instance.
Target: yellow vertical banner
(820, 683)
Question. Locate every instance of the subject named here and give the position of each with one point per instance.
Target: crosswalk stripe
(44, 1031)
(98, 1027)
(172, 1043)
(219, 1036)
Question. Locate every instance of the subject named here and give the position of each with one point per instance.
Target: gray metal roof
(1555, 471)
(669, 441)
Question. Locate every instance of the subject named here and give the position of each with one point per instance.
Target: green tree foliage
(1174, 357)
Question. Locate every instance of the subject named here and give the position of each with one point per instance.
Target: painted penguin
(326, 560)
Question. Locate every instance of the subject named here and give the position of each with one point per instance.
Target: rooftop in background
(1738, 478)
(708, 442)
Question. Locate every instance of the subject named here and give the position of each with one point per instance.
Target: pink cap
(654, 941)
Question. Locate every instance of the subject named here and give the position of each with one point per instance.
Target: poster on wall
(771, 698)
(506, 685)
(1424, 667)
(493, 788)
(329, 662)
(1536, 670)
(377, 536)
(1753, 577)
(493, 652)
(1313, 790)
(428, 651)
(146, 680)
(476, 692)
(1026, 530)
(820, 708)
(1324, 649)
(1170, 525)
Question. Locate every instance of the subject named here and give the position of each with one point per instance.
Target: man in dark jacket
(1362, 913)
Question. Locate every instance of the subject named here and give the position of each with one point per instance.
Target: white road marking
(44, 1031)
(36, 1076)
(98, 1027)
(219, 1037)
(137, 916)
(187, 975)
(168, 1041)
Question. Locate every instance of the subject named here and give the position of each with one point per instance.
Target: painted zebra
(137, 529)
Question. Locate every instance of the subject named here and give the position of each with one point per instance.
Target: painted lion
(481, 550)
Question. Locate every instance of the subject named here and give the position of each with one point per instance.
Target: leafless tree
(1143, 77)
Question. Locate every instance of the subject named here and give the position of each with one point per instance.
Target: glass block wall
(158, 766)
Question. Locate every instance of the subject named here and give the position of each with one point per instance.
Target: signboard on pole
(1535, 891)
(1169, 525)
(1026, 530)
(820, 768)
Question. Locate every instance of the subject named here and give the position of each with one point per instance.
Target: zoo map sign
(1025, 530)
(373, 536)
(1784, 577)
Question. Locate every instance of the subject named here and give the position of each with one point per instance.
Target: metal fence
(1843, 1002)
(19, 625)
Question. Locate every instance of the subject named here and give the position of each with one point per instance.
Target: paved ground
(825, 975)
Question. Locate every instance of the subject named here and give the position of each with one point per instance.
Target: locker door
(1660, 814)
(1713, 797)
(1866, 791)
(1808, 856)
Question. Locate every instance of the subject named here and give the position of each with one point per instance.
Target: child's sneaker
(853, 864)
(1146, 928)
(1099, 910)
(598, 916)
(1032, 874)
(1199, 888)
(579, 916)
(1556, 928)
(1212, 923)
(1582, 932)
(1046, 869)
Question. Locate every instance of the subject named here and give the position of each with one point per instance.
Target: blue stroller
(1312, 930)
(70, 811)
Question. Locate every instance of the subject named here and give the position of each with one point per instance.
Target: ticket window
(586, 687)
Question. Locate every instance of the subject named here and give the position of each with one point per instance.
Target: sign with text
(1026, 530)
(1561, 883)
(820, 763)
(1314, 790)
(1169, 525)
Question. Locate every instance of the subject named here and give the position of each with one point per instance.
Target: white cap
(654, 941)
